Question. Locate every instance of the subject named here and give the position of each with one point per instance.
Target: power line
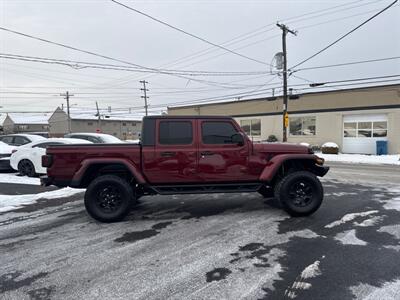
(188, 33)
(251, 34)
(347, 82)
(93, 53)
(82, 65)
(269, 83)
(348, 33)
(256, 31)
(347, 64)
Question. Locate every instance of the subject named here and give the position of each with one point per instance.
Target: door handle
(205, 153)
(168, 154)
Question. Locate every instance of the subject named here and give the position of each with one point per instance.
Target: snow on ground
(388, 291)
(14, 178)
(349, 238)
(350, 217)
(11, 202)
(362, 158)
(391, 229)
(300, 283)
(393, 203)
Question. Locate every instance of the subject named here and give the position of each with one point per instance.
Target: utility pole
(285, 118)
(98, 117)
(67, 95)
(145, 97)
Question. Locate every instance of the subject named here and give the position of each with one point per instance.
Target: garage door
(360, 133)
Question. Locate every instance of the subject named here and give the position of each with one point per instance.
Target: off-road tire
(299, 193)
(26, 167)
(109, 198)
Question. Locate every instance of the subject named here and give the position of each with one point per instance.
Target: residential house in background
(121, 124)
(25, 122)
(355, 118)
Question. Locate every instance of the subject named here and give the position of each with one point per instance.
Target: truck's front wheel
(300, 193)
(109, 198)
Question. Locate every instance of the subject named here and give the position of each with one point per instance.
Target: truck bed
(72, 158)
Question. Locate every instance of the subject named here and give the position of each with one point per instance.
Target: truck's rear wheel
(109, 198)
(300, 193)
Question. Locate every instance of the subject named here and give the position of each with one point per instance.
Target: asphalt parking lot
(236, 246)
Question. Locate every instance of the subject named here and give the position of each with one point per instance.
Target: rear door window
(217, 132)
(7, 139)
(175, 133)
(20, 140)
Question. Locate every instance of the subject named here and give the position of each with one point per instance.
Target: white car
(96, 138)
(5, 153)
(19, 139)
(27, 159)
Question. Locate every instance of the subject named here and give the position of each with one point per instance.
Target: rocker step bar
(208, 188)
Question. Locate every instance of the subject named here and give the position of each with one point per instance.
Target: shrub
(272, 138)
(330, 148)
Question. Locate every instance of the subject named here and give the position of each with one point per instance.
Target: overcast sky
(106, 28)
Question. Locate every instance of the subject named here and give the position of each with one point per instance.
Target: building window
(302, 126)
(123, 124)
(133, 123)
(46, 127)
(252, 127)
(365, 129)
(90, 123)
(23, 127)
(379, 129)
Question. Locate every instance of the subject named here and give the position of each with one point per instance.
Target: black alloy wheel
(299, 193)
(109, 198)
(25, 167)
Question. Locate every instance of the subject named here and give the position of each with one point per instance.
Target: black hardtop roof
(186, 117)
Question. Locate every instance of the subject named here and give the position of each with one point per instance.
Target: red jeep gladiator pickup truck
(186, 155)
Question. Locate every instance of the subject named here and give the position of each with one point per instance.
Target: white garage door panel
(362, 145)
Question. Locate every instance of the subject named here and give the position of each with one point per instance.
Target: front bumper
(5, 164)
(320, 170)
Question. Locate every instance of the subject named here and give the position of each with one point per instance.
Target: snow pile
(11, 202)
(305, 144)
(13, 178)
(330, 145)
(362, 158)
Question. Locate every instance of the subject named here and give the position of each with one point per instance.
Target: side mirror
(237, 139)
